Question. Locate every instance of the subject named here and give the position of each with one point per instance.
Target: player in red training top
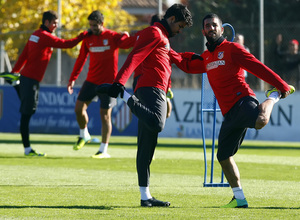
(225, 63)
(149, 100)
(32, 65)
(139, 70)
(102, 47)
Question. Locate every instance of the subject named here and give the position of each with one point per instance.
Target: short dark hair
(155, 18)
(181, 13)
(211, 15)
(96, 16)
(49, 16)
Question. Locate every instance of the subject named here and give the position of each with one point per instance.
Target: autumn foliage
(19, 18)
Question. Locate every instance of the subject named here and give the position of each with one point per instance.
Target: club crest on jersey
(221, 55)
(105, 42)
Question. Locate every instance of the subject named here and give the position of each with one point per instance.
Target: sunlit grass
(71, 185)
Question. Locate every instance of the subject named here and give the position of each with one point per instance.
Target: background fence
(280, 18)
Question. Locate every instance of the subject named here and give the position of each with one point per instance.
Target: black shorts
(88, 93)
(29, 94)
(241, 116)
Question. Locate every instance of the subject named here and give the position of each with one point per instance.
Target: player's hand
(70, 87)
(115, 90)
(125, 32)
(196, 56)
(285, 94)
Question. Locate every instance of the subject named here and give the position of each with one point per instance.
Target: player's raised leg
(273, 96)
(10, 77)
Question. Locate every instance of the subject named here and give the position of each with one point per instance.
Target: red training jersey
(152, 51)
(103, 51)
(175, 58)
(225, 71)
(35, 57)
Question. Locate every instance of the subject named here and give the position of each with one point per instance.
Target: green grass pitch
(71, 185)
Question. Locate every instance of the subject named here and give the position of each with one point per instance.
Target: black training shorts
(88, 93)
(241, 116)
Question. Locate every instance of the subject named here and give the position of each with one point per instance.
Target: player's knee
(160, 127)
(224, 163)
(156, 125)
(261, 122)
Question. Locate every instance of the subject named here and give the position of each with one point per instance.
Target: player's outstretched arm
(188, 62)
(53, 41)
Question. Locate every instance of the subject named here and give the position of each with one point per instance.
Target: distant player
(32, 65)
(102, 47)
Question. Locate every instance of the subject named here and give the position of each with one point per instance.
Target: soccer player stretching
(224, 63)
(149, 103)
(32, 65)
(102, 47)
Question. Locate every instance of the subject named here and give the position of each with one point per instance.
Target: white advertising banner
(185, 120)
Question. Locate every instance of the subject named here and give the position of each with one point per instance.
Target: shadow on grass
(280, 208)
(59, 142)
(56, 207)
(242, 147)
(134, 144)
(73, 207)
(44, 158)
(284, 208)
